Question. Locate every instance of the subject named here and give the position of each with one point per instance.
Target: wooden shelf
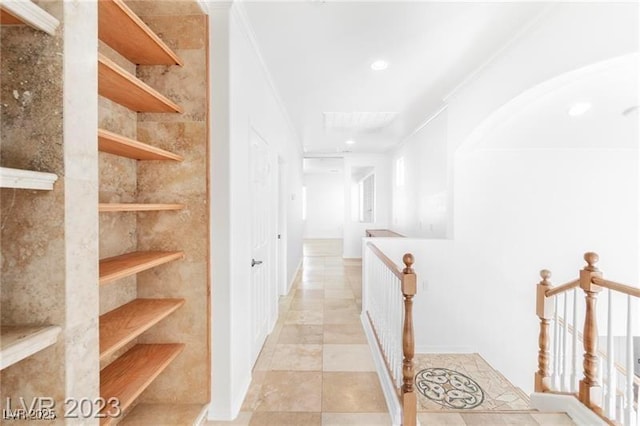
(132, 207)
(116, 144)
(26, 179)
(17, 12)
(20, 342)
(123, 30)
(114, 268)
(123, 324)
(128, 376)
(121, 87)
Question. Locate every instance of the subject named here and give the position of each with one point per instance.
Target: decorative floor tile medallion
(449, 388)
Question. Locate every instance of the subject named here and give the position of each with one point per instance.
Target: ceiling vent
(358, 121)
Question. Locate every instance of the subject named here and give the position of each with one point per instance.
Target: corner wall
(243, 101)
(524, 194)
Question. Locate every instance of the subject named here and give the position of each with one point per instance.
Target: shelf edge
(31, 345)
(26, 179)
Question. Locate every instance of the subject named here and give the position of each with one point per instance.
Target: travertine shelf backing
(177, 182)
(32, 236)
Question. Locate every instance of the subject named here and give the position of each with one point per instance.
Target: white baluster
(610, 385)
(556, 345)
(574, 346)
(565, 344)
(619, 407)
(629, 365)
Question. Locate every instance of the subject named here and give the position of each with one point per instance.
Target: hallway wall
(325, 205)
(243, 101)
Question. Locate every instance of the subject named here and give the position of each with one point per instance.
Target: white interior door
(261, 233)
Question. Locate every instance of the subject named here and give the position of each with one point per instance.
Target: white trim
(32, 15)
(426, 349)
(293, 278)
(388, 388)
(580, 414)
(208, 5)
(26, 179)
(33, 342)
(202, 417)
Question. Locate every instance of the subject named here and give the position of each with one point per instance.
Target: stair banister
(409, 401)
(589, 391)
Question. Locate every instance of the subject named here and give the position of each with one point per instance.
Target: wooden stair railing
(596, 391)
(405, 288)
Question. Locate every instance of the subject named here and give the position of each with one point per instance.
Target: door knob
(255, 262)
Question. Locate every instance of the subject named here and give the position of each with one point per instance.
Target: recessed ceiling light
(379, 65)
(579, 108)
(350, 142)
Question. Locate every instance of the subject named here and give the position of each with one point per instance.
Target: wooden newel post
(590, 391)
(544, 310)
(409, 402)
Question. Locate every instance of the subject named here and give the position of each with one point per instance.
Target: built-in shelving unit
(18, 12)
(132, 207)
(116, 144)
(125, 32)
(114, 268)
(26, 179)
(129, 375)
(121, 87)
(122, 325)
(20, 342)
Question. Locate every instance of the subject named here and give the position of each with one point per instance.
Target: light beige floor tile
(300, 304)
(552, 419)
(301, 333)
(291, 391)
(337, 304)
(243, 419)
(449, 419)
(360, 419)
(255, 388)
(490, 419)
(266, 418)
(297, 357)
(304, 317)
(341, 317)
(309, 294)
(339, 293)
(352, 393)
(344, 333)
(347, 358)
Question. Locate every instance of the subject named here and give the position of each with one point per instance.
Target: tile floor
(316, 367)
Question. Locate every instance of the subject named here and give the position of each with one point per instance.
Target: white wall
(243, 100)
(325, 205)
(354, 231)
(419, 206)
(528, 188)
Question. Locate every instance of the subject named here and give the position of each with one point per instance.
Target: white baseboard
(293, 278)
(568, 404)
(388, 388)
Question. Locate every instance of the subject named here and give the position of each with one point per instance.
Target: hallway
(316, 367)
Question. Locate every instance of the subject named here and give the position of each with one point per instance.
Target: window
(367, 199)
(400, 171)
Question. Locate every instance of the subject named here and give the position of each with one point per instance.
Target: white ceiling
(319, 56)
